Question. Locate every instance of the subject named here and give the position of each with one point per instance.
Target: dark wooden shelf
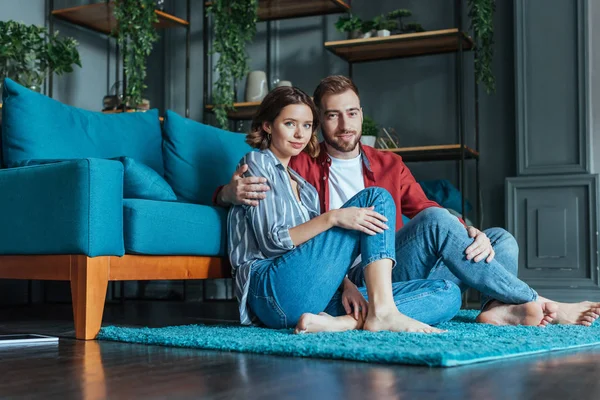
(99, 17)
(400, 46)
(434, 153)
(242, 112)
(270, 10)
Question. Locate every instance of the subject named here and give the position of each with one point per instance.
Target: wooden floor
(96, 370)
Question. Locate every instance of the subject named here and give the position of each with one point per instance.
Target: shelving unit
(99, 17)
(269, 10)
(447, 41)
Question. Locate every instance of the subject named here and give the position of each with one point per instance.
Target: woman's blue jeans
(307, 278)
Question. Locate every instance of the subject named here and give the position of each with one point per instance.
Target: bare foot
(584, 313)
(310, 323)
(531, 314)
(396, 322)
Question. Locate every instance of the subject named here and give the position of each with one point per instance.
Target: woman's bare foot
(311, 323)
(583, 313)
(531, 314)
(395, 321)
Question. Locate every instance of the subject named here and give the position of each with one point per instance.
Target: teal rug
(466, 342)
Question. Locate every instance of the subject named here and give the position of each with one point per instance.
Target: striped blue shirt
(262, 232)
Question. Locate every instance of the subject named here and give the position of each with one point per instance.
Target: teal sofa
(89, 198)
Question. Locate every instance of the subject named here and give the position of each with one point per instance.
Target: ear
(266, 126)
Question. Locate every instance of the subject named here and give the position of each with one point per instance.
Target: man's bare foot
(531, 314)
(583, 313)
(310, 323)
(396, 322)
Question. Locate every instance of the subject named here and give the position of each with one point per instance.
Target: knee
(375, 192)
(436, 216)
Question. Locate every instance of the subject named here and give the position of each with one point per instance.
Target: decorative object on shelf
(136, 35)
(481, 13)
(350, 24)
(383, 25)
(389, 139)
(256, 86)
(28, 53)
(235, 25)
(370, 129)
(397, 16)
(283, 83)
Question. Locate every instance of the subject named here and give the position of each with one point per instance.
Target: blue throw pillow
(199, 158)
(35, 126)
(445, 194)
(139, 180)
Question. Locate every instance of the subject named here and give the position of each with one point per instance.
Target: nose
(342, 122)
(298, 132)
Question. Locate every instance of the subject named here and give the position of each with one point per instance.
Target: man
(434, 244)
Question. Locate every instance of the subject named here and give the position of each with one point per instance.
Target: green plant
(382, 22)
(413, 27)
(399, 14)
(349, 23)
(369, 127)
(136, 35)
(367, 26)
(235, 25)
(481, 13)
(28, 53)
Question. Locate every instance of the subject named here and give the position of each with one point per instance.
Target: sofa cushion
(199, 158)
(168, 228)
(35, 126)
(139, 180)
(142, 182)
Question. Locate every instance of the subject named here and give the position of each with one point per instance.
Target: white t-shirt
(345, 180)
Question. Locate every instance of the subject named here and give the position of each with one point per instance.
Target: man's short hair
(334, 84)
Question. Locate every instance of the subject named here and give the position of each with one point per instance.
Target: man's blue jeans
(307, 278)
(432, 246)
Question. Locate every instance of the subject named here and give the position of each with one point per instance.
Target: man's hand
(481, 246)
(353, 301)
(241, 190)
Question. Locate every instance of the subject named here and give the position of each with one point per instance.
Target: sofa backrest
(35, 126)
(198, 157)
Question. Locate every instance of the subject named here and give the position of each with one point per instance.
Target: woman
(289, 261)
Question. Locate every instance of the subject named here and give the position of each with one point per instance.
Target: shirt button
(324, 177)
(329, 160)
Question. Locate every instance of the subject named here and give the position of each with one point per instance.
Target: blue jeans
(432, 246)
(307, 278)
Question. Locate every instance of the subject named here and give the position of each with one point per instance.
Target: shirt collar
(301, 182)
(325, 158)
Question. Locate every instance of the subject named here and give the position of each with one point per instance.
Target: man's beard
(343, 146)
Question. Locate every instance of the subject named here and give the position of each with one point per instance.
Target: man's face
(342, 121)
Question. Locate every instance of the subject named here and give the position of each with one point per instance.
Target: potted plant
(384, 25)
(351, 25)
(136, 35)
(370, 129)
(28, 53)
(398, 15)
(367, 29)
(235, 25)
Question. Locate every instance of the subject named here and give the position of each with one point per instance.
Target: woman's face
(291, 131)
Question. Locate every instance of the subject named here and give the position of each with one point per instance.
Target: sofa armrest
(70, 207)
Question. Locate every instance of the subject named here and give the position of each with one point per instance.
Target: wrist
(332, 218)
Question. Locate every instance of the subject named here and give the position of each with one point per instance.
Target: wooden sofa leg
(89, 282)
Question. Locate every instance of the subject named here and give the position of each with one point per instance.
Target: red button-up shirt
(380, 168)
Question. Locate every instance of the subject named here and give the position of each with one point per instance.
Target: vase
(283, 83)
(256, 86)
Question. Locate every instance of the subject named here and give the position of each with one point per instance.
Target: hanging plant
(235, 25)
(481, 13)
(136, 35)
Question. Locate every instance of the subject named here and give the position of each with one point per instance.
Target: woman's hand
(359, 219)
(353, 301)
